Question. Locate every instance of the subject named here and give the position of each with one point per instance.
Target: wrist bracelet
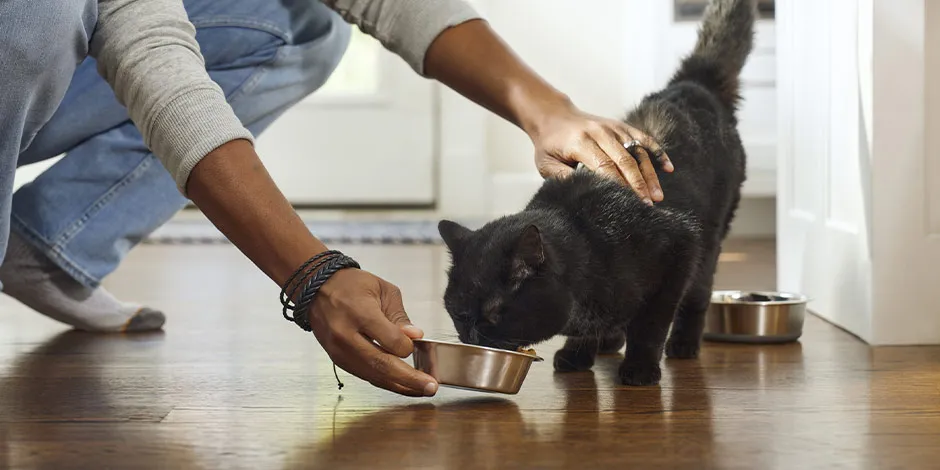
(312, 287)
(332, 262)
(297, 279)
(323, 266)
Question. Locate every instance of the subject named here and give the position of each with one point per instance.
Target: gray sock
(30, 277)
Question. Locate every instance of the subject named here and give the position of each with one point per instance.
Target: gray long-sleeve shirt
(147, 51)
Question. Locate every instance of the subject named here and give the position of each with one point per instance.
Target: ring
(633, 143)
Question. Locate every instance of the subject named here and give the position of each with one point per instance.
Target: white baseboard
(756, 217)
(760, 183)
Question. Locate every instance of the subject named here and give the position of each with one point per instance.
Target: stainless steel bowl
(755, 317)
(470, 367)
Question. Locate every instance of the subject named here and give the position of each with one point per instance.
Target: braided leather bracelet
(331, 261)
(312, 287)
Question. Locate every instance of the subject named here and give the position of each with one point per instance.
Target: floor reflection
(603, 426)
(65, 392)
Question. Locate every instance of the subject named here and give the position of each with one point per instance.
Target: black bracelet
(312, 287)
(297, 279)
(331, 262)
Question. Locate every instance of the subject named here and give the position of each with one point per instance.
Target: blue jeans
(109, 192)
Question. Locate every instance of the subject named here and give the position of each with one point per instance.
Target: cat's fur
(589, 260)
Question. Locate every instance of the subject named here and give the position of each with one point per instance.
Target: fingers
(412, 331)
(658, 153)
(362, 325)
(552, 168)
(355, 353)
(626, 164)
(394, 309)
(389, 335)
(645, 153)
(387, 371)
(647, 170)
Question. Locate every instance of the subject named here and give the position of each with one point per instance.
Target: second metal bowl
(755, 317)
(465, 366)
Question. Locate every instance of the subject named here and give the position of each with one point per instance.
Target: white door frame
(859, 205)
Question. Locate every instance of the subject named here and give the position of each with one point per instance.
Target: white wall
(582, 50)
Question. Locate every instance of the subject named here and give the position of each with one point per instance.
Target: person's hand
(351, 309)
(472, 60)
(354, 308)
(569, 136)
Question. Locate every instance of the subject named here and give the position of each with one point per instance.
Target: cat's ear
(452, 233)
(530, 252)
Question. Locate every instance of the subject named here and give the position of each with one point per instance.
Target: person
(74, 224)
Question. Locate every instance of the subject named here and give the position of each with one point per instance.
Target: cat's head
(503, 288)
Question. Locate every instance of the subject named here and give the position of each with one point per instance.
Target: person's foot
(31, 278)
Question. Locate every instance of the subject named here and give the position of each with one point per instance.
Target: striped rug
(417, 232)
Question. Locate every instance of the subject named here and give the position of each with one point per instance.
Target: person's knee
(265, 77)
(323, 52)
(305, 64)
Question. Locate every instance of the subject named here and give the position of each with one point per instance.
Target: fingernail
(648, 201)
(657, 193)
(669, 166)
(430, 389)
(413, 329)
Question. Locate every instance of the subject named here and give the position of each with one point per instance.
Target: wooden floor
(230, 384)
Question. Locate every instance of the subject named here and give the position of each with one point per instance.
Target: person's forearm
(473, 61)
(235, 191)
(147, 51)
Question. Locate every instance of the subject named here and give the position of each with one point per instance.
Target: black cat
(589, 260)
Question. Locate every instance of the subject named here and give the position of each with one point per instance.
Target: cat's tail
(725, 40)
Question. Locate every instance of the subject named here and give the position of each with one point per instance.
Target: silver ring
(633, 143)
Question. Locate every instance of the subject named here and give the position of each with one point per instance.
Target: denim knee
(320, 55)
(300, 67)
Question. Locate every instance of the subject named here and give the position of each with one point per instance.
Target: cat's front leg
(646, 332)
(645, 338)
(576, 355)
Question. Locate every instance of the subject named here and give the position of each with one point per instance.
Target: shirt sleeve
(147, 52)
(405, 27)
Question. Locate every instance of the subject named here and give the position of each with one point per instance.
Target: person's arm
(472, 60)
(446, 40)
(234, 190)
(146, 50)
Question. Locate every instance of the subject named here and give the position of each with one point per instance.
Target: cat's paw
(640, 374)
(681, 349)
(611, 344)
(569, 360)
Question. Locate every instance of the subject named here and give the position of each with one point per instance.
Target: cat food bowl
(469, 367)
(755, 317)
